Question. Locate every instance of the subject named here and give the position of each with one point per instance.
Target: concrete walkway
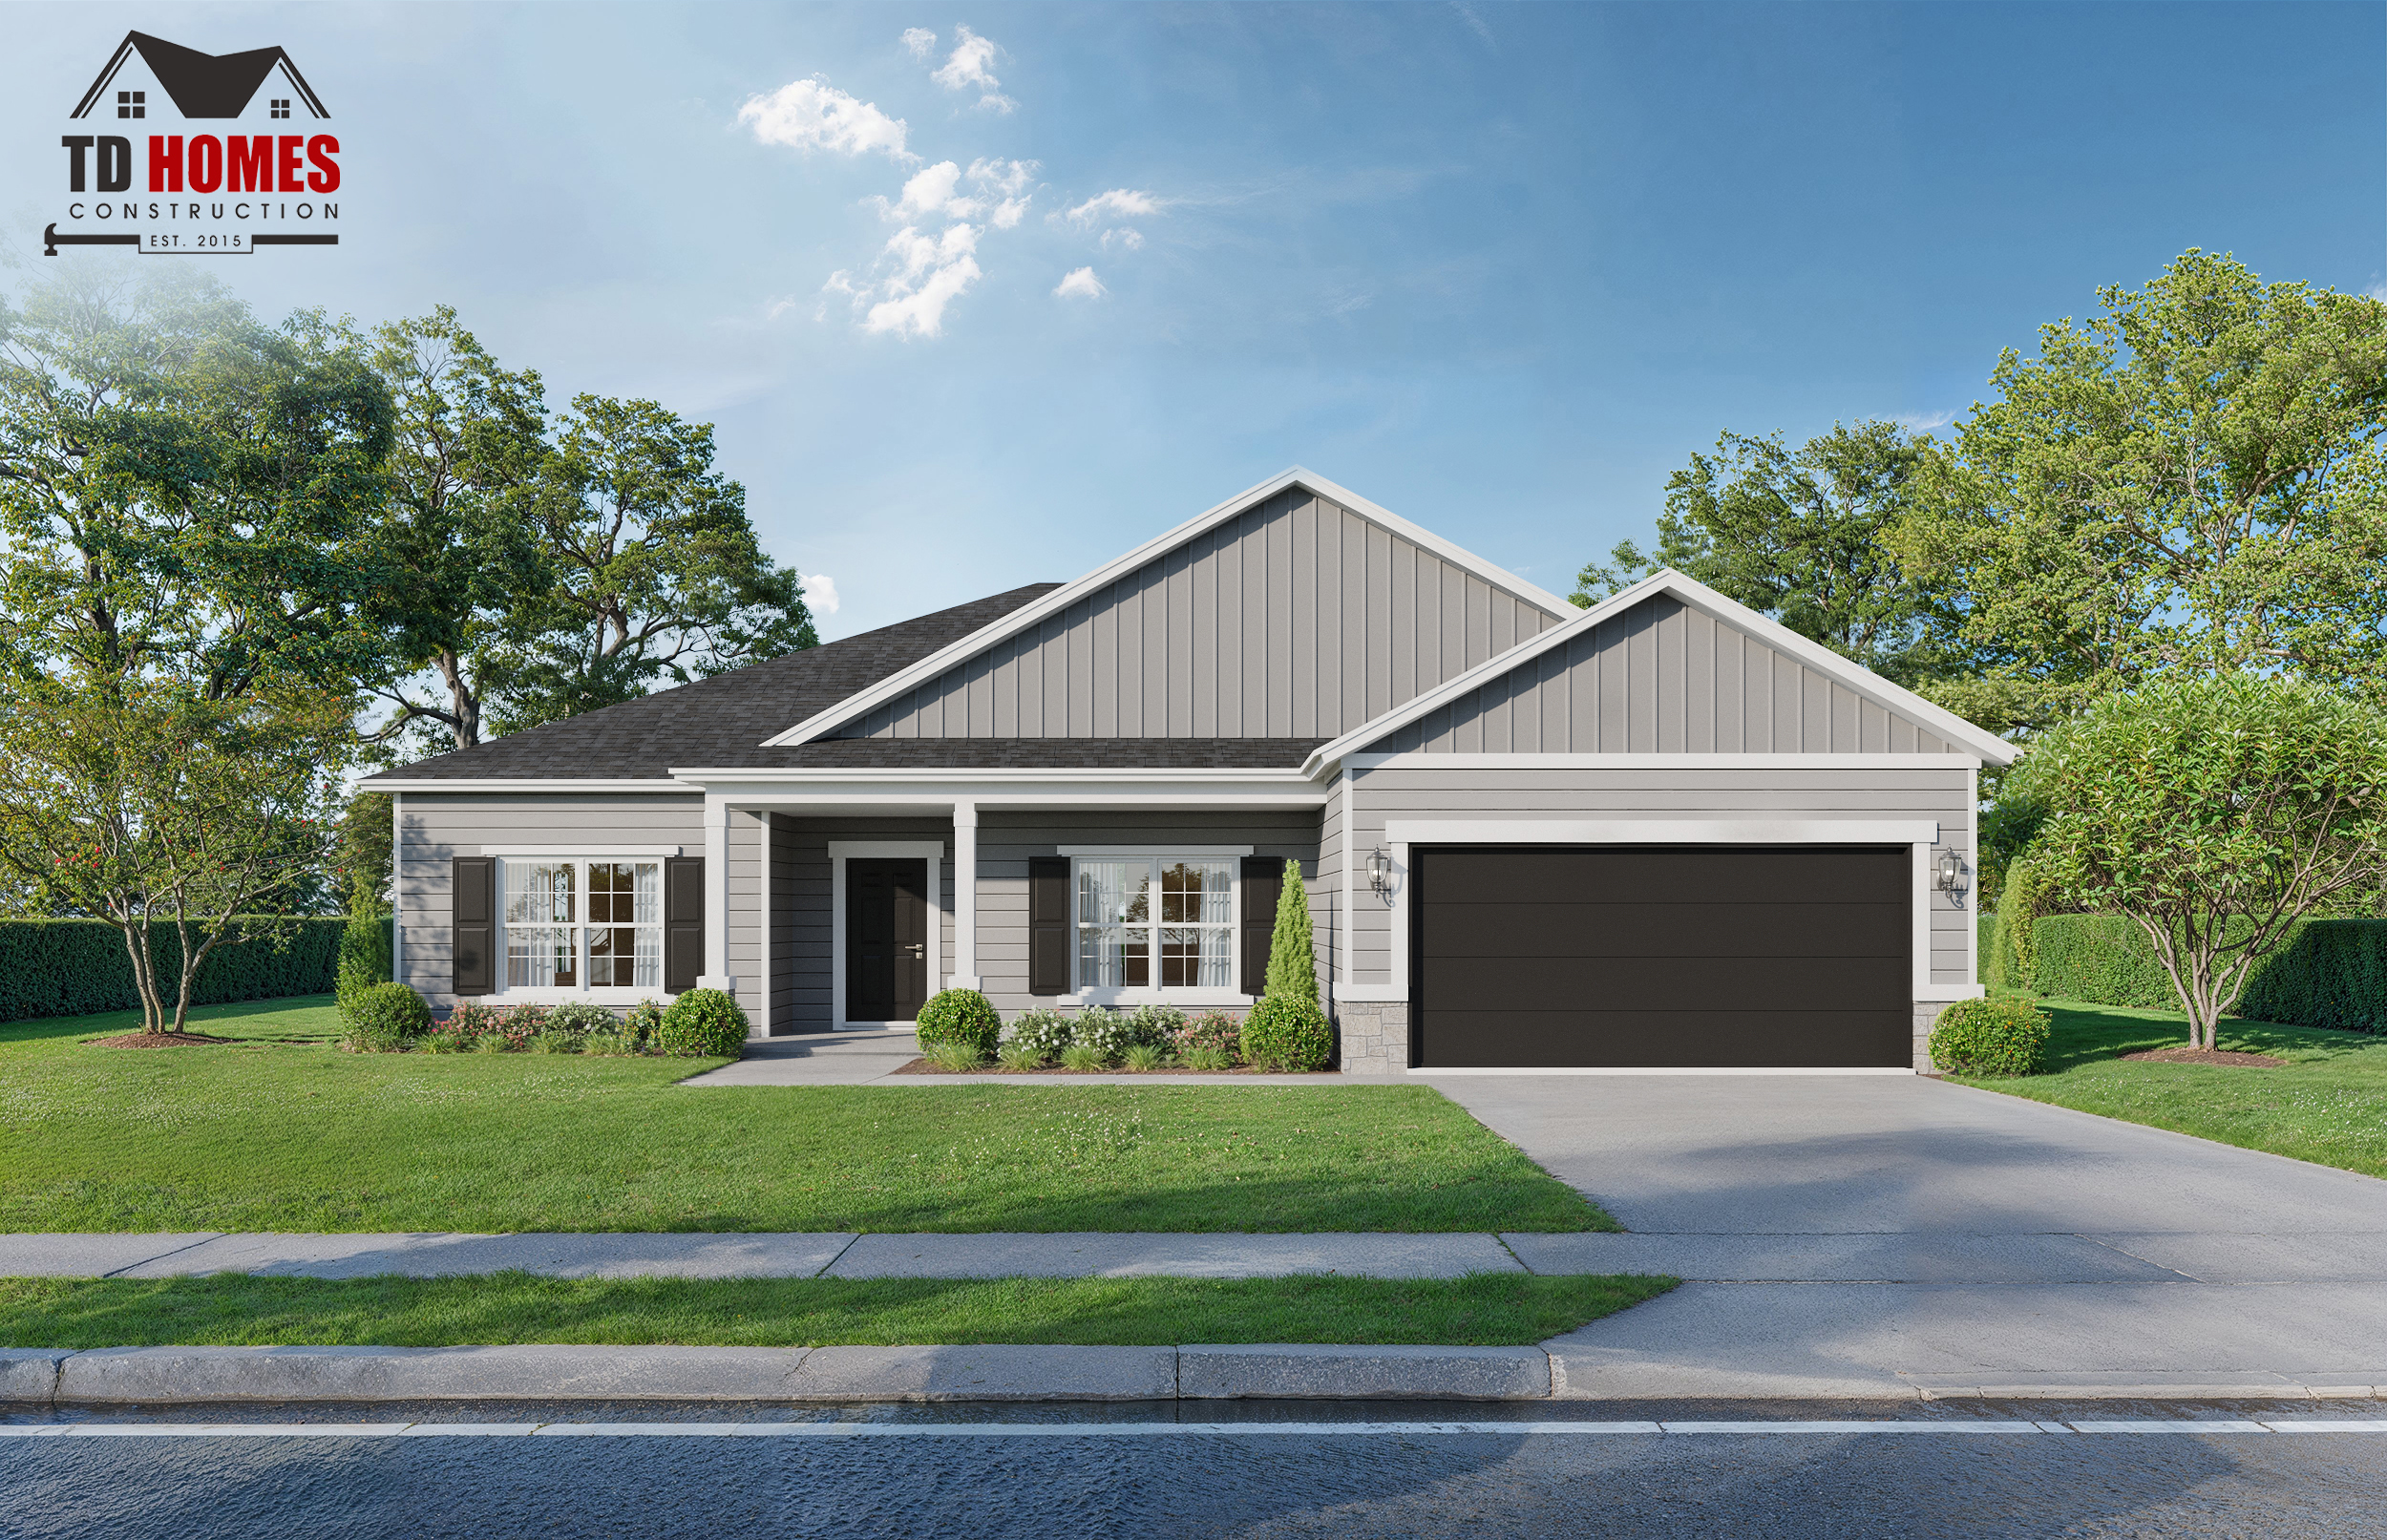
(1864, 1236)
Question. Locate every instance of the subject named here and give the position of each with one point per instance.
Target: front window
(583, 924)
(1147, 922)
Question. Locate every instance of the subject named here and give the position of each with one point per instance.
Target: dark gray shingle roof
(721, 722)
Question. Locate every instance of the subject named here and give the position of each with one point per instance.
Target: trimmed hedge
(959, 1016)
(1990, 1037)
(73, 967)
(2328, 972)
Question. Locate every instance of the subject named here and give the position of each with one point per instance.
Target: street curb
(1291, 1371)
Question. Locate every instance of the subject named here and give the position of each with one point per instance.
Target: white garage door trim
(1919, 835)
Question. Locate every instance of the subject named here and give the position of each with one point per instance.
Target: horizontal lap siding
(1007, 841)
(1407, 791)
(1300, 619)
(805, 921)
(1662, 678)
(435, 827)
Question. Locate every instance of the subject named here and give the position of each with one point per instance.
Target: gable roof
(1059, 600)
(1858, 679)
(720, 721)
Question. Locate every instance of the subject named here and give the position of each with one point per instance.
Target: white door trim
(841, 851)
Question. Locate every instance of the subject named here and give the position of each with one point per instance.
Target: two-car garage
(1662, 957)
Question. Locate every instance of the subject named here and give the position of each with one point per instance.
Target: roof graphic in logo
(205, 85)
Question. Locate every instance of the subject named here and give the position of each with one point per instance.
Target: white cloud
(814, 115)
(1925, 423)
(1080, 284)
(918, 40)
(1005, 177)
(995, 101)
(929, 192)
(820, 593)
(936, 190)
(916, 277)
(1466, 13)
(968, 65)
(1128, 239)
(1120, 202)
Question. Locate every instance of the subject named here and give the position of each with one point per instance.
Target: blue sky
(1498, 267)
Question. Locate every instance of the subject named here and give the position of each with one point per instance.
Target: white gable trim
(1859, 679)
(1030, 614)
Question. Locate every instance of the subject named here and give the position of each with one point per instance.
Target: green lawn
(285, 1131)
(1485, 1309)
(2328, 1105)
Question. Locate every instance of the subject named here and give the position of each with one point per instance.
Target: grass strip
(1484, 1309)
(2327, 1103)
(285, 1132)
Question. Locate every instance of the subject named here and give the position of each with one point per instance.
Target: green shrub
(957, 1054)
(1990, 1037)
(466, 1025)
(1206, 1058)
(1018, 1055)
(1144, 1057)
(1154, 1027)
(1105, 1032)
(642, 1026)
(364, 957)
(579, 1017)
(960, 1016)
(1084, 1056)
(1287, 1032)
(2020, 910)
(553, 1040)
(384, 1018)
(2103, 957)
(1292, 958)
(1212, 1031)
(73, 967)
(2326, 973)
(1043, 1030)
(703, 1022)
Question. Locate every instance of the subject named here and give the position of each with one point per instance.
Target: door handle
(917, 949)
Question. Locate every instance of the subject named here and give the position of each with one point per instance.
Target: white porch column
(964, 894)
(716, 974)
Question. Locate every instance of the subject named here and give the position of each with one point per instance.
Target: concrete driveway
(1864, 1235)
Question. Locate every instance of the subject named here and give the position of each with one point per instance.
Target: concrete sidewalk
(2350, 1258)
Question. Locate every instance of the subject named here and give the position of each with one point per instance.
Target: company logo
(208, 193)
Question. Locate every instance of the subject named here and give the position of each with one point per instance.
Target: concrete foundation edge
(165, 1376)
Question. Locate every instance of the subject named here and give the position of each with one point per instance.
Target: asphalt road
(1347, 1470)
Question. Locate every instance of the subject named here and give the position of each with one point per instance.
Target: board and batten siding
(434, 827)
(1298, 619)
(1665, 679)
(1415, 790)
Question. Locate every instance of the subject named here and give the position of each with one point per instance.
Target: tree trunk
(462, 698)
(136, 929)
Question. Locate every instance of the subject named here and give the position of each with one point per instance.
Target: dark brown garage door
(1662, 956)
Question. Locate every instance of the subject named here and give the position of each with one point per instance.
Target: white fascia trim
(1069, 593)
(1362, 993)
(1917, 831)
(1429, 1073)
(1929, 992)
(954, 775)
(589, 782)
(1429, 760)
(580, 852)
(1859, 679)
(1151, 849)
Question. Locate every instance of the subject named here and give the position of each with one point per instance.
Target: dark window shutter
(1263, 881)
(1049, 925)
(683, 922)
(473, 933)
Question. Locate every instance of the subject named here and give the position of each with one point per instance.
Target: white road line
(2193, 1426)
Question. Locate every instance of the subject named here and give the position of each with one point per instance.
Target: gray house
(1661, 834)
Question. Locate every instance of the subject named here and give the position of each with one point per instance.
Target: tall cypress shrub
(1292, 959)
(365, 959)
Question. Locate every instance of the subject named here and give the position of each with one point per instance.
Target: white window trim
(1920, 834)
(579, 855)
(842, 851)
(1156, 994)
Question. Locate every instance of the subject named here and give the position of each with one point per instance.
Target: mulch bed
(2207, 1056)
(929, 1067)
(159, 1040)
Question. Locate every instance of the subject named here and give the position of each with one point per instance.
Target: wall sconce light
(1379, 872)
(1953, 878)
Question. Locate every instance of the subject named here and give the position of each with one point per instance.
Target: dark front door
(886, 940)
(1663, 958)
